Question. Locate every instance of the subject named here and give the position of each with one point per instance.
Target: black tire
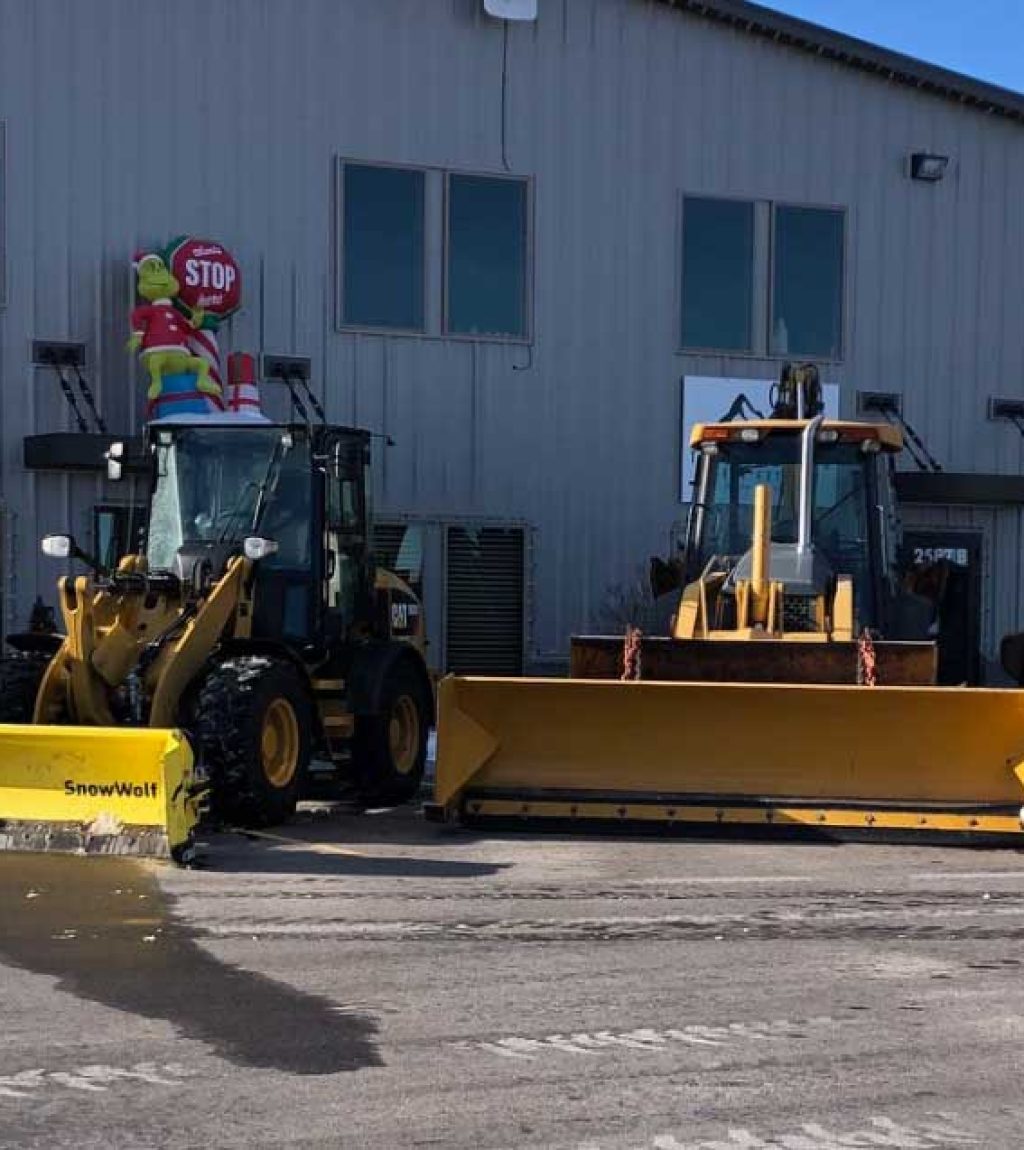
(20, 679)
(1011, 655)
(240, 704)
(389, 770)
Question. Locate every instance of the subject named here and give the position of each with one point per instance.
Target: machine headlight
(115, 460)
(256, 547)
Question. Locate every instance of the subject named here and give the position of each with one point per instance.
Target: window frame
(341, 163)
(844, 284)
(758, 259)
(435, 253)
(528, 263)
(134, 514)
(764, 278)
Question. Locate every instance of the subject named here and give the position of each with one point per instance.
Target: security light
(928, 166)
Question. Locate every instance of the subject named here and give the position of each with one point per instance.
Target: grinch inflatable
(161, 333)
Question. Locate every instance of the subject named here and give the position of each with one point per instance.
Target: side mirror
(65, 547)
(115, 461)
(58, 546)
(256, 548)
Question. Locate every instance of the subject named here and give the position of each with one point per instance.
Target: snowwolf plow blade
(97, 790)
(920, 762)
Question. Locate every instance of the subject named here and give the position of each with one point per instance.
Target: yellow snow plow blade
(97, 790)
(922, 761)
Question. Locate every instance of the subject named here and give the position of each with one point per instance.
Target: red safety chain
(631, 654)
(867, 659)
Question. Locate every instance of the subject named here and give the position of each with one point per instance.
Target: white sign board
(708, 399)
(511, 9)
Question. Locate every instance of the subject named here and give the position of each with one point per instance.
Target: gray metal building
(507, 246)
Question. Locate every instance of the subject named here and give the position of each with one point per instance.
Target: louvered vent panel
(485, 601)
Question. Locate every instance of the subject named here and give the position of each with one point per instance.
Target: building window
(807, 282)
(718, 275)
(382, 247)
(486, 266)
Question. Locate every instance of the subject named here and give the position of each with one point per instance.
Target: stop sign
(207, 276)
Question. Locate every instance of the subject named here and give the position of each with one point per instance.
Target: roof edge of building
(861, 54)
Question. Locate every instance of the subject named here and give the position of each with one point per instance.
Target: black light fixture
(928, 166)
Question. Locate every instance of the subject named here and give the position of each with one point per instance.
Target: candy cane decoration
(204, 344)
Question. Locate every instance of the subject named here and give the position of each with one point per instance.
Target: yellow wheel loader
(251, 632)
(797, 686)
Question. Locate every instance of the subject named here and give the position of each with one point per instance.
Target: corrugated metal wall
(129, 121)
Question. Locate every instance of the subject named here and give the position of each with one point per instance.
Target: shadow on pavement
(309, 853)
(104, 929)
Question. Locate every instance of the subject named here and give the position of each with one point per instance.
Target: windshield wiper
(281, 448)
(237, 510)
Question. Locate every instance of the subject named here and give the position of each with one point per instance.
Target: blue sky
(983, 38)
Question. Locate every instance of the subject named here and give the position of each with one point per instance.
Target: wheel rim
(404, 734)
(279, 743)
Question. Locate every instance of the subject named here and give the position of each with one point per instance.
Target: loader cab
(851, 520)
(302, 490)
(348, 568)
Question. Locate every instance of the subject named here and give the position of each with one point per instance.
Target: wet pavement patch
(105, 930)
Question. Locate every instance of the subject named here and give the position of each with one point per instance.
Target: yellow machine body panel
(97, 789)
(904, 758)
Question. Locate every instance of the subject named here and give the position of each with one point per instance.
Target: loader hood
(807, 572)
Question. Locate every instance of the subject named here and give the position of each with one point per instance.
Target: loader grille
(798, 613)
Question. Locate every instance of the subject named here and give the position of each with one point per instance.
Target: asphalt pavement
(368, 980)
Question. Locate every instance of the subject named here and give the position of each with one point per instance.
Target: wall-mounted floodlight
(511, 9)
(879, 403)
(928, 166)
(1008, 409)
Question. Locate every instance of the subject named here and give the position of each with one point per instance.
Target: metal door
(955, 560)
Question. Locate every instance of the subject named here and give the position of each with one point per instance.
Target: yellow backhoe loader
(251, 632)
(797, 686)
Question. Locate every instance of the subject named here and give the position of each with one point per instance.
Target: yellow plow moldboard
(97, 790)
(918, 760)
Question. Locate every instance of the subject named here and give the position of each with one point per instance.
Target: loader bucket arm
(912, 760)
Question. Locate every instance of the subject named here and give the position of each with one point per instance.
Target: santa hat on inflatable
(142, 255)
